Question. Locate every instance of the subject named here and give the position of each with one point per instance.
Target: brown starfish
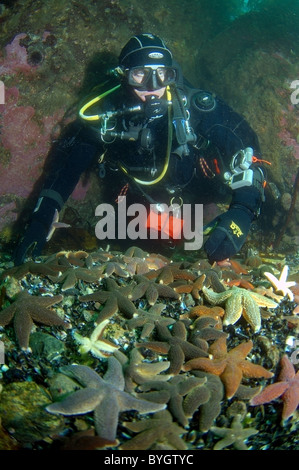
(115, 299)
(175, 344)
(230, 366)
(18, 272)
(151, 290)
(148, 319)
(72, 275)
(173, 392)
(159, 429)
(28, 308)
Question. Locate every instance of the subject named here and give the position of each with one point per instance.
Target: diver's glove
(36, 234)
(232, 227)
(230, 233)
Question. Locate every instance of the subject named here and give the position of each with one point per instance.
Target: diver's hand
(230, 233)
(32, 243)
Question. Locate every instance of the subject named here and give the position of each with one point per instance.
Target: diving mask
(151, 77)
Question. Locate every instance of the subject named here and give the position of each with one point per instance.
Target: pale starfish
(240, 301)
(281, 284)
(235, 435)
(105, 396)
(98, 346)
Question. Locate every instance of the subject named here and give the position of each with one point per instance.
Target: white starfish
(98, 346)
(281, 284)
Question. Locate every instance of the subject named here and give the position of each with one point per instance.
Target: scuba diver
(158, 140)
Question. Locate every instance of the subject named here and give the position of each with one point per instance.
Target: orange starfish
(287, 388)
(230, 366)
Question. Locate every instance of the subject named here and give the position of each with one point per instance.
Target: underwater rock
(22, 411)
(46, 346)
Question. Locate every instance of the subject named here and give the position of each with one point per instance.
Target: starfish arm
(114, 374)
(269, 393)
(142, 441)
(157, 346)
(46, 301)
(239, 444)
(147, 330)
(203, 363)
(22, 326)
(98, 330)
(252, 313)
(111, 307)
(179, 330)
(139, 290)
(129, 402)
(84, 375)
(242, 350)
(46, 316)
(231, 378)
(262, 301)
(106, 417)
(125, 305)
(290, 400)
(70, 280)
(176, 357)
(233, 310)
(195, 398)
(7, 314)
(151, 294)
(225, 442)
(287, 369)
(254, 370)
(79, 402)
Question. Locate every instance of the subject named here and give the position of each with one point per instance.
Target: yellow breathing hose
(168, 151)
(95, 117)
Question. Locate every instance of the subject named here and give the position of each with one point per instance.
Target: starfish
(159, 429)
(115, 299)
(215, 312)
(98, 346)
(204, 328)
(28, 308)
(191, 288)
(18, 272)
(281, 284)
(104, 396)
(230, 366)
(240, 301)
(235, 435)
(151, 290)
(72, 275)
(287, 388)
(172, 393)
(137, 371)
(209, 410)
(148, 319)
(174, 344)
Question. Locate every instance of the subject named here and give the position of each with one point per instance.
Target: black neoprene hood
(145, 49)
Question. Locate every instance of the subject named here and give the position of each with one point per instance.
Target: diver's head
(147, 65)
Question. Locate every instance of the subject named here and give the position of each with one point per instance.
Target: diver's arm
(71, 156)
(231, 133)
